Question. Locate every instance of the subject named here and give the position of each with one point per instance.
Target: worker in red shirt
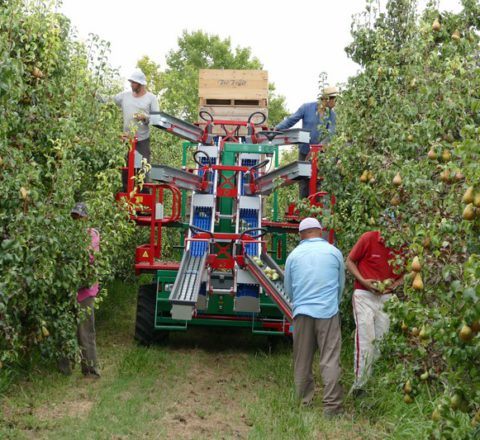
(369, 262)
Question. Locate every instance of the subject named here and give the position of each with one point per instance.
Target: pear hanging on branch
(395, 201)
(416, 265)
(468, 197)
(397, 180)
(469, 212)
(466, 333)
(436, 26)
(417, 282)
(446, 155)
(476, 200)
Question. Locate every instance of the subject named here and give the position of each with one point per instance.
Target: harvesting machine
(229, 273)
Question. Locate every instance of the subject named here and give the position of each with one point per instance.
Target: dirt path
(210, 403)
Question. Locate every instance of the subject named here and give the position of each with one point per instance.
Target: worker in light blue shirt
(319, 119)
(314, 280)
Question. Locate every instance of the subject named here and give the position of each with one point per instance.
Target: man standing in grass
(315, 279)
(375, 279)
(86, 300)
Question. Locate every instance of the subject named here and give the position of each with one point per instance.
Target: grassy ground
(207, 384)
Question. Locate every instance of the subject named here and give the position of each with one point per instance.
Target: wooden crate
(231, 85)
(233, 94)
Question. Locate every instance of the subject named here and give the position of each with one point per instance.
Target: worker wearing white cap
(318, 118)
(314, 280)
(136, 106)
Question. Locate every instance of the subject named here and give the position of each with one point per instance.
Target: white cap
(138, 76)
(309, 223)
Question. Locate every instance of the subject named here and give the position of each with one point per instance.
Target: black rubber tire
(145, 333)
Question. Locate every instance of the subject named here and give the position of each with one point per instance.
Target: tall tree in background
(198, 50)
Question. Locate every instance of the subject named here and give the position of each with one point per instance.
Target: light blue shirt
(315, 278)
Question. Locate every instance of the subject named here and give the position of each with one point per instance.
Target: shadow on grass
(116, 316)
(225, 339)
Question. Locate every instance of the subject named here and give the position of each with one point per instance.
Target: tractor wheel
(145, 333)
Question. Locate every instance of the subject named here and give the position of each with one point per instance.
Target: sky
(295, 40)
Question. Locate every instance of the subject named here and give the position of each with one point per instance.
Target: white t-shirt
(131, 105)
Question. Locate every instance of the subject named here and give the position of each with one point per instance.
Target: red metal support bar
(314, 150)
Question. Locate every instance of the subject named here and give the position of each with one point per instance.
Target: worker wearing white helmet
(318, 118)
(136, 106)
(314, 280)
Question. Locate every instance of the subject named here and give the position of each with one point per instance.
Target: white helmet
(139, 77)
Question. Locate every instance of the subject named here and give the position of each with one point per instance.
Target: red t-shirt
(371, 257)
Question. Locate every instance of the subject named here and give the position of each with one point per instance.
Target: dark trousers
(303, 184)
(86, 336)
(86, 341)
(308, 334)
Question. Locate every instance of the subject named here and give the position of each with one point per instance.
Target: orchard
(52, 154)
(405, 160)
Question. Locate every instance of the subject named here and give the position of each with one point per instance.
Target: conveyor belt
(273, 288)
(179, 128)
(187, 284)
(248, 217)
(288, 137)
(186, 289)
(249, 220)
(281, 176)
(202, 218)
(182, 179)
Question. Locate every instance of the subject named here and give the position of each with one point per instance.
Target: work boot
(333, 413)
(64, 365)
(359, 393)
(90, 371)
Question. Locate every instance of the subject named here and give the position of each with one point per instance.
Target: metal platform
(187, 284)
(288, 137)
(182, 179)
(273, 288)
(179, 128)
(280, 177)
